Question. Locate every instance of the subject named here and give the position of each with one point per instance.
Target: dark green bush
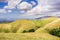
(31, 30)
(55, 32)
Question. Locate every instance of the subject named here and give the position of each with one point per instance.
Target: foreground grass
(27, 36)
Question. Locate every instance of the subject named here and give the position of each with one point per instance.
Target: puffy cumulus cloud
(35, 12)
(24, 6)
(2, 11)
(12, 4)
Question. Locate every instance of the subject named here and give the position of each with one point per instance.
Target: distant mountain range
(10, 20)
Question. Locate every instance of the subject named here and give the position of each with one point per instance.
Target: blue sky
(2, 4)
(15, 14)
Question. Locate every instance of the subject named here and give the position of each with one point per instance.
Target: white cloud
(34, 12)
(24, 6)
(5, 7)
(12, 4)
(9, 10)
(2, 11)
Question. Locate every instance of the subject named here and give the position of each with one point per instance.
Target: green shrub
(55, 32)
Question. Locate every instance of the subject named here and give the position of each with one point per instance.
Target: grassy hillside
(31, 29)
